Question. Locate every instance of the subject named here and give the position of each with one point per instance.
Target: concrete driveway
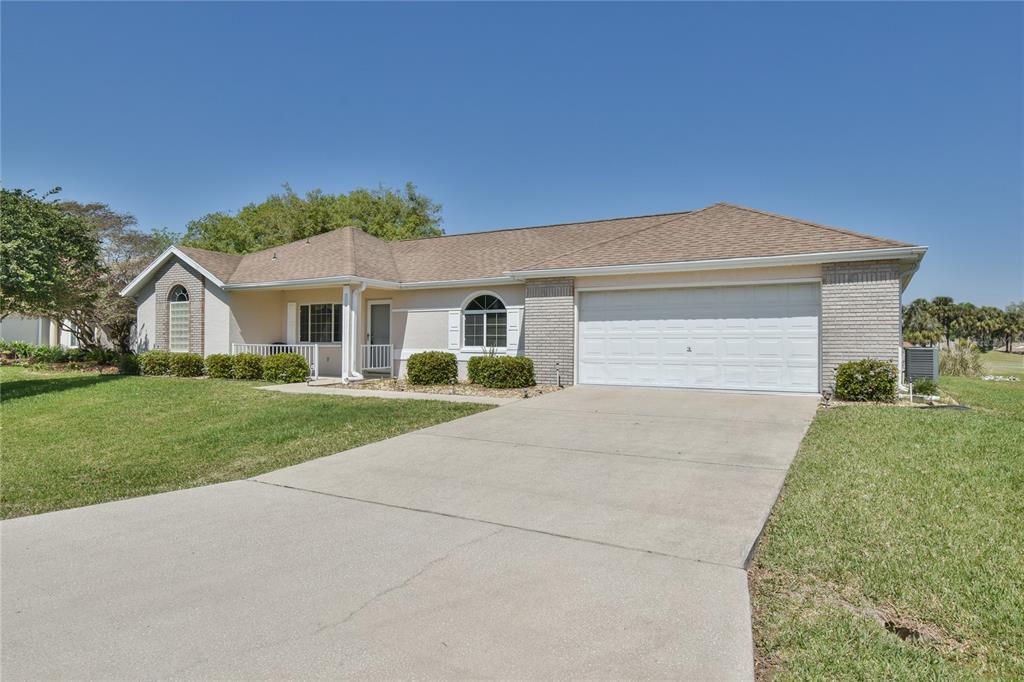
(594, 532)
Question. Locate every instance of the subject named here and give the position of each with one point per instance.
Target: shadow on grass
(25, 388)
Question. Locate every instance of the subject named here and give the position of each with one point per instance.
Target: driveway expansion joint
(612, 545)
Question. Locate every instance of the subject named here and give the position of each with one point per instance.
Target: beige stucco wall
(217, 316)
(257, 316)
(145, 321)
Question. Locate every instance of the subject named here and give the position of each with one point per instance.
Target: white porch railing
(310, 351)
(377, 356)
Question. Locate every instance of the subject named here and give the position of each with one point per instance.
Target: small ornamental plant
(432, 367)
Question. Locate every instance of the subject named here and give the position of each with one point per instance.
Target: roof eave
(132, 288)
(912, 253)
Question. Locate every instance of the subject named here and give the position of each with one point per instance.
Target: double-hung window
(320, 323)
(485, 323)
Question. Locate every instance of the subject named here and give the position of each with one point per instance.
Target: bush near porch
(501, 371)
(432, 367)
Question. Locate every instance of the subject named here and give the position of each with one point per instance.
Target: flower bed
(461, 388)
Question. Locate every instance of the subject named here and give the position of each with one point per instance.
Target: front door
(380, 324)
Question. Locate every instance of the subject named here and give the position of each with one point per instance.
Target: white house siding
(217, 317)
(145, 321)
(34, 330)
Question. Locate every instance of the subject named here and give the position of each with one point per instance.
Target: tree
(1012, 324)
(920, 327)
(281, 218)
(50, 261)
(945, 312)
(125, 252)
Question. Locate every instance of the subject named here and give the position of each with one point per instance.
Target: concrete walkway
(307, 389)
(588, 533)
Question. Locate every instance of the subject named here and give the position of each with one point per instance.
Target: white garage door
(754, 338)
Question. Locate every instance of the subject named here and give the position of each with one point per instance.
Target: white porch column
(346, 325)
(352, 335)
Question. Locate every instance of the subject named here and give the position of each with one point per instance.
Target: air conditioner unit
(921, 363)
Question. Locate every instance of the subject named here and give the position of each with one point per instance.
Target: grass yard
(896, 549)
(74, 439)
(1001, 362)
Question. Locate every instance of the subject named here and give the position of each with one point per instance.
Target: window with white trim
(320, 323)
(485, 323)
(179, 316)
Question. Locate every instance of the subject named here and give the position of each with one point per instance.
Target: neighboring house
(39, 331)
(724, 297)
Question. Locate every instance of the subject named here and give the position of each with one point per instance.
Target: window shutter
(512, 322)
(292, 322)
(454, 329)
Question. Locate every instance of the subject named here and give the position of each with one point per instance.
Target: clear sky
(903, 120)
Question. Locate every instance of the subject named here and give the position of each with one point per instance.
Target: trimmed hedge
(155, 363)
(501, 371)
(218, 366)
(187, 364)
(248, 366)
(862, 380)
(432, 367)
(285, 368)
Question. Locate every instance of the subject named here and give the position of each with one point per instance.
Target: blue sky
(903, 120)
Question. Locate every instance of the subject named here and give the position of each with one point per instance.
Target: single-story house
(724, 297)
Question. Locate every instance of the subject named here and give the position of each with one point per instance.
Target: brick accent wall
(860, 314)
(548, 326)
(170, 275)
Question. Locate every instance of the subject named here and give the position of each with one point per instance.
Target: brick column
(549, 328)
(860, 314)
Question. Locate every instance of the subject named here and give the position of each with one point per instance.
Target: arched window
(179, 316)
(485, 323)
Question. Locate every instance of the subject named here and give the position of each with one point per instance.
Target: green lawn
(1001, 362)
(75, 439)
(907, 516)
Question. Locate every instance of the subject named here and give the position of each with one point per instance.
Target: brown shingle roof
(717, 232)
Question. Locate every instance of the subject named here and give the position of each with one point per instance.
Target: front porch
(341, 332)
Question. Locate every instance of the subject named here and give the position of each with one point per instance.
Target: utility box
(921, 363)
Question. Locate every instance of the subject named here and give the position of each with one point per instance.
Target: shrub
(155, 363)
(19, 349)
(963, 360)
(128, 364)
(218, 366)
(432, 367)
(76, 355)
(866, 380)
(501, 371)
(186, 364)
(102, 356)
(925, 387)
(47, 354)
(248, 366)
(285, 368)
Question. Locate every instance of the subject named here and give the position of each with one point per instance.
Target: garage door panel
(746, 337)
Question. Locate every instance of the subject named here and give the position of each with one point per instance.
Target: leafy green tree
(125, 252)
(945, 312)
(286, 217)
(920, 327)
(50, 259)
(1012, 324)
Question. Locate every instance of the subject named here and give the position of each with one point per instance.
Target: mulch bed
(457, 389)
